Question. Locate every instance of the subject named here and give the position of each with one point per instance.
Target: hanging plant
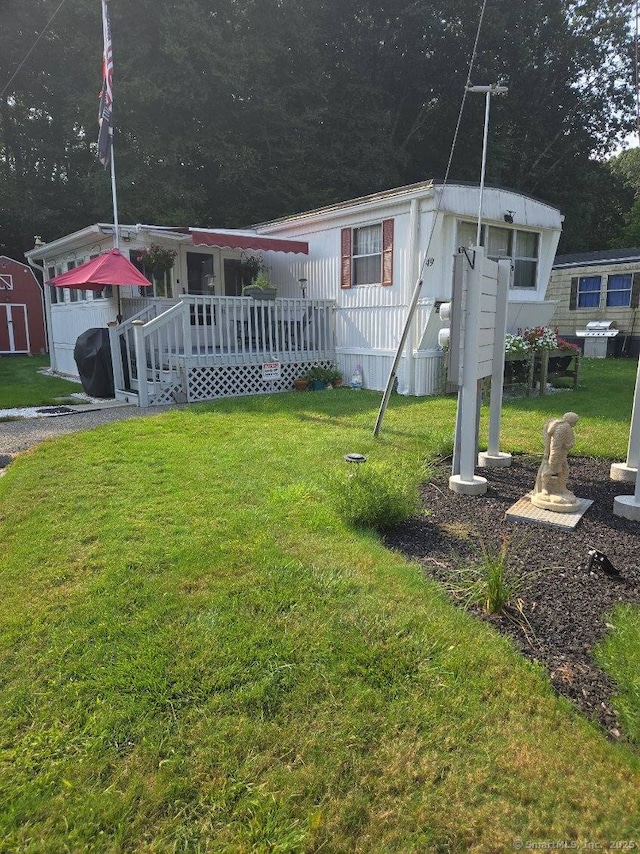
(157, 259)
(251, 266)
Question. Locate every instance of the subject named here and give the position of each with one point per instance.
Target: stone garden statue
(550, 491)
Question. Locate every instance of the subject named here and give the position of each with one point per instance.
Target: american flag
(106, 95)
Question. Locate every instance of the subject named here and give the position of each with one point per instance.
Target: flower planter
(301, 384)
(260, 293)
(317, 385)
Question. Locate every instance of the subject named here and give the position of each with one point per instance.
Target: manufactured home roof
(422, 187)
(601, 256)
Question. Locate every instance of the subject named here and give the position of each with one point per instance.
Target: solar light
(599, 559)
(355, 458)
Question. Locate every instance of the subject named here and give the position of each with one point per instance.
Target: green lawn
(22, 385)
(199, 655)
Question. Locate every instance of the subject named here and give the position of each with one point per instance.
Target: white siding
(69, 320)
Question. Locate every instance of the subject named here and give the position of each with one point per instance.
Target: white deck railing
(209, 330)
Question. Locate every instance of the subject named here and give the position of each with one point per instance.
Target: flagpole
(105, 120)
(114, 199)
(114, 195)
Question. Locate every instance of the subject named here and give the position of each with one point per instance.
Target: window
(525, 259)
(619, 290)
(520, 247)
(200, 277)
(589, 291)
(367, 255)
(500, 243)
(162, 284)
(53, 291)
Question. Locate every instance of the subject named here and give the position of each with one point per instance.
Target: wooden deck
(201, 347)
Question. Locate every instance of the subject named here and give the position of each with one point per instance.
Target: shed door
(14, 333)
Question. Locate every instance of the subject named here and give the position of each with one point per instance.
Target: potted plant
(157, 262)
(301, 384)
(318, 378)
(250, 268)
(260, 288)
(334, 377)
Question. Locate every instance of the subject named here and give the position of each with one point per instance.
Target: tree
(235, 111)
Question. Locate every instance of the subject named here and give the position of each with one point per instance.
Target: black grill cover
(92, 355)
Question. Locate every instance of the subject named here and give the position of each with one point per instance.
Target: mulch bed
(562, 605)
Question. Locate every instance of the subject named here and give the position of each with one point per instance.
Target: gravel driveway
(19, 435)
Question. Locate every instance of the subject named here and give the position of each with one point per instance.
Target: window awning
(228, 239)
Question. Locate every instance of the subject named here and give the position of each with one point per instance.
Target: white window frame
(619, 290)
(513, 254)
(581, 292)
(364, 255)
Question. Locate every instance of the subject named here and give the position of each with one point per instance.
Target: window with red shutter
(367, 255)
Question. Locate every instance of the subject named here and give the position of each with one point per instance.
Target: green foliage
(490, 582)
(22, 384)
(375, 494)
(301, 103)
(325, 375)
(619, 654)
(197, 654)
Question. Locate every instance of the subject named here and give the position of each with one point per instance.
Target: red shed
(21, 309)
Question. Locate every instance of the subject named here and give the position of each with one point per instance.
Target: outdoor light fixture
(599, 559)
(508, 216)
(303, 287)
(355, 458)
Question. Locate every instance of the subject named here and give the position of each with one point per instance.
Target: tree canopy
(229, 112)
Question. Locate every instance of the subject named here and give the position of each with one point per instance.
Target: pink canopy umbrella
(110, 268)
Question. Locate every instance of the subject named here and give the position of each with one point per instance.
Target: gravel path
(16, 436)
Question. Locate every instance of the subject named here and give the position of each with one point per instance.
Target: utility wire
(31, 49)
(418, 286)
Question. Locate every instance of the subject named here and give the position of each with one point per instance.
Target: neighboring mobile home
(598, 286)
(345, 275)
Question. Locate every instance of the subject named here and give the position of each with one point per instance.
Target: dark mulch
(563, 605)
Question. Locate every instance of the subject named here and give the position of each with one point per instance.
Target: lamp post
(303, 287)
(492, 89)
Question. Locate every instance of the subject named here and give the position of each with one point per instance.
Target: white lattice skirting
(208, 383)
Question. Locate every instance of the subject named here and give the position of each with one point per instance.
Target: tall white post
(628, 471)
(465, 482)
(483, 168)
(493, 457)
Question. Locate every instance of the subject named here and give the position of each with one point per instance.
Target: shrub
(491, 582)
(375, 495)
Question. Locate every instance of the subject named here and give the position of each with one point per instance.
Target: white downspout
(46, 296)
(411, 275)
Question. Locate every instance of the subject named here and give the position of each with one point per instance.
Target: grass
(22, 385)
(619, 654)
(199, 654)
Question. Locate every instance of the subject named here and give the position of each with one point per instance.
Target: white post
(116, 358)
(628, 471)
(466, 482)
(492, 457)
(483, 168)
(187, 343)
(492, 89)
(628, 506)
(141, 362)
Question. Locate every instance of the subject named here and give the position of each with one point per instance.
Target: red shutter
(345, 254)
(387, 252)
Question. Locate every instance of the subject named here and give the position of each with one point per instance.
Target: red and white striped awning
(235, 239)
